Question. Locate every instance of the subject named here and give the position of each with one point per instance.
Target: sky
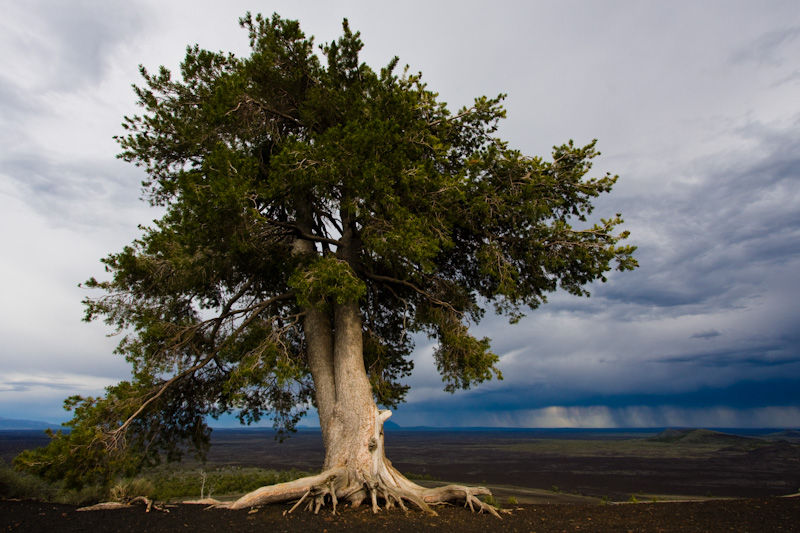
(696, 105)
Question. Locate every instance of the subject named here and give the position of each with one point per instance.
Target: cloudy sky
(696, 106)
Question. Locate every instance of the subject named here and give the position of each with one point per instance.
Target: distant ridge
(698, 436)
(789, 434)
(11, 423)
(652, 433)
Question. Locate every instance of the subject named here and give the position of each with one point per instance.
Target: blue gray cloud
(694, 105)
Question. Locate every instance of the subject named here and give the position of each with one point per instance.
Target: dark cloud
(706, 149)
(709, 334)
(13, 102)
(713, 242)
(769, 48)
(71, 44)
(76, 194)
(63, 51)
(768, 355)
(747, 394)
(740, 395)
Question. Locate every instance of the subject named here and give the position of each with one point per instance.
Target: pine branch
(117, 434)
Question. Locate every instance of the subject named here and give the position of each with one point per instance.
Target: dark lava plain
(560, 479)
(601, 464)
(752, 515)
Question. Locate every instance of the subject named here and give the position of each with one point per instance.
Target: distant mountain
(10, 423)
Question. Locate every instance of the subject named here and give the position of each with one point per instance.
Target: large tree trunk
(355, 467)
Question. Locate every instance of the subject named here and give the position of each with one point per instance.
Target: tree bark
(355, 468)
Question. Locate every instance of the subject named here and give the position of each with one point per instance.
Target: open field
(539, 466)
(611, 465)
(538, 469)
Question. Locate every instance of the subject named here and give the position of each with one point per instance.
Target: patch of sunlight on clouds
(599, 416)
(570, 417)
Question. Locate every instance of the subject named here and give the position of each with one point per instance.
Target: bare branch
(264, 107)
(302, 234)
(405, 283)
(115, 434)
(460, 115)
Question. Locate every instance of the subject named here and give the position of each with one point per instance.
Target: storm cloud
(694, 105)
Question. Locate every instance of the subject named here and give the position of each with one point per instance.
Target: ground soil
(751, 515)
(743, 486)
(527, 459)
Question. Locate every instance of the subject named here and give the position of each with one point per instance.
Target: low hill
(791, 435)
(700, 436)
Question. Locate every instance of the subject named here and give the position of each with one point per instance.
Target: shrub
(128, 489)
(512, 500)
(86, 495)
(170, 483)
(490, 500)
(14, 484)
(162, 483)
(422, 477)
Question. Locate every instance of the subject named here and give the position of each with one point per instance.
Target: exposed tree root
(341, 484)
(366, 476)
(140, 500)
(317, 487)
(204, 501)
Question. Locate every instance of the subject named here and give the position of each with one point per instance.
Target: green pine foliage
(297, 143)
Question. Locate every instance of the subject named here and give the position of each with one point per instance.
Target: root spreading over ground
(386, 485)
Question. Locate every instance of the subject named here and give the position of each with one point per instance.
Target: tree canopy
(300, 178)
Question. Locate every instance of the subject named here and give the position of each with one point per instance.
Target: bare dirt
(754, 515)
(558, 479)
(600, 465)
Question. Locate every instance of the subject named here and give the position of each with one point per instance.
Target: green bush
(512, 500)
(86, 495)
(128, 489)
(163, 483)
(15, 484)
(168, 482)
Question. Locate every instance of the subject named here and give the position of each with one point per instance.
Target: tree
(318, 214)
